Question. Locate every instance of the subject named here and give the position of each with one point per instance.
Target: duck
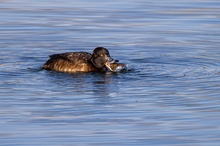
(99, 61)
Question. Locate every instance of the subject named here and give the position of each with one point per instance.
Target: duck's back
(70, 62)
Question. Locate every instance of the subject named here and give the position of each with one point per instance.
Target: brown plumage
(70, 62)
(99, 61)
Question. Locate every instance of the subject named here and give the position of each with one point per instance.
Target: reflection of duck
(99, 61)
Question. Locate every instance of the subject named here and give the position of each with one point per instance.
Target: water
(169, 96)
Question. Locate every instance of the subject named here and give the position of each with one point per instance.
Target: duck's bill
(110, 60)
(114, 66)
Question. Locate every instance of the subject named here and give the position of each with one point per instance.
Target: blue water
(169, 96)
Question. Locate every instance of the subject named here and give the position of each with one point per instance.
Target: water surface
(169, 95)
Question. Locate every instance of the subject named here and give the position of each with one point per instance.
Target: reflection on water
(168, 96)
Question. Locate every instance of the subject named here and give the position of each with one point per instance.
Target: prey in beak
(109, 62)
(114, 67)
(108, 66)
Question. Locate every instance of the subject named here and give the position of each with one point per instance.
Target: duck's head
(101, 58)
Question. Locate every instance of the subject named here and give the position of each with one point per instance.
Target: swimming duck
(99, 61)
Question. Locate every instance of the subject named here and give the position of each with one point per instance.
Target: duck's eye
(101, 55)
